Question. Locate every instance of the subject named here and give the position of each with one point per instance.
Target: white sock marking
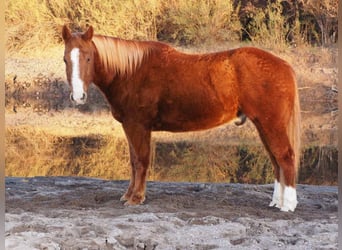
(277, 195)
(290, 199)
(284, 198)
(76, 81)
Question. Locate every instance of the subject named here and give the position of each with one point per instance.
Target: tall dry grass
(36, 152)
(200, 22)
(35, 25)
(33, 151)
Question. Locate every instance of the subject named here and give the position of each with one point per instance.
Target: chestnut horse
(150, 86)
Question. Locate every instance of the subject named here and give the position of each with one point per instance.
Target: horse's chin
(79, 102)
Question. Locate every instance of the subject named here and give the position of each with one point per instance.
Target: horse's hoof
(124, 198)
(135, 200)
(131, 203)
(274, 204)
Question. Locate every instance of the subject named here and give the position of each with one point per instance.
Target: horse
(151, 86)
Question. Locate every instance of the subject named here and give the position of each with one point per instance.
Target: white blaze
(76, 81)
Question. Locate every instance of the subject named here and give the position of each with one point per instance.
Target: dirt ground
(84, 213)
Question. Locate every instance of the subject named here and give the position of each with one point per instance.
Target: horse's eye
(88, 59)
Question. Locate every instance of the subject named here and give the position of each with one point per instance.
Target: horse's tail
(294, 130)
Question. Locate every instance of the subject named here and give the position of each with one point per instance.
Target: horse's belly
(194, 118)
(196, 103)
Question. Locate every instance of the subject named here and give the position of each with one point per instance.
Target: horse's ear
(66, 33)
(88, 35)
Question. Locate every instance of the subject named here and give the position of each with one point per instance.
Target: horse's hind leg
(278, 145)
(277, 193)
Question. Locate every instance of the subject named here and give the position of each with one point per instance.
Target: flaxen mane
(120, 56)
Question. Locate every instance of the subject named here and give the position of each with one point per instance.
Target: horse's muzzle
(81, 100)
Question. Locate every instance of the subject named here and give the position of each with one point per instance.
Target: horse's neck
(119, 57)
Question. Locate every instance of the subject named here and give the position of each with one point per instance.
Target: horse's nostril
(84, 97)
(78, 100)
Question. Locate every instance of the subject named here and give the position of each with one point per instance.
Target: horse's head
(79, 62)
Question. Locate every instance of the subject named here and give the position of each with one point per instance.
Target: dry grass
(201, 22)
(36, 25)
(32, 151)
(32, 26)
(205, 161)
(26, 156)
(35, 152)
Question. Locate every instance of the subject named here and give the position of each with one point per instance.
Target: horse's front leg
(139, 139)
(129, 191)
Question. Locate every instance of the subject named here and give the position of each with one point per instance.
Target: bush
(200, 21)
(268, 26)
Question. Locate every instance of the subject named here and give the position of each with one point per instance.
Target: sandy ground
(83, 213)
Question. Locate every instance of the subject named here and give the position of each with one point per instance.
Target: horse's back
(254, 62)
